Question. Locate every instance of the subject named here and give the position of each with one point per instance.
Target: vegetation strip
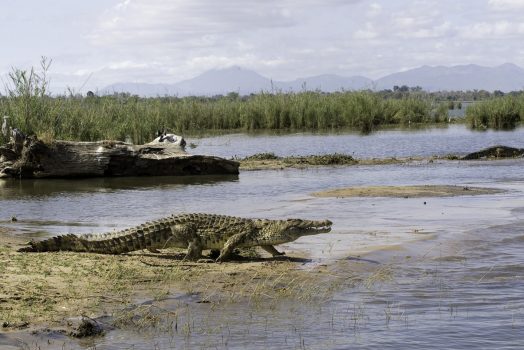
(268, 161)
(33, 110)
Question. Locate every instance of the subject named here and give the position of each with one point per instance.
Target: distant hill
(223, 81)
(506, 77)
(143, 89)
(326, 83)
(241, 81)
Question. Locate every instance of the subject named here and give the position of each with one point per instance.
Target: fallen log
(66, 159)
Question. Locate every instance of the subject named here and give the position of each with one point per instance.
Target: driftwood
(496, 152)
(65, 159)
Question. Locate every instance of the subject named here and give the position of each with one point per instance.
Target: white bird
(5, 126)
(169, 138)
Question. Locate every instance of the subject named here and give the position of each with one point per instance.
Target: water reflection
(13, 188)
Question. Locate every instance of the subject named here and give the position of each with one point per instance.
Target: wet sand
(407, 191)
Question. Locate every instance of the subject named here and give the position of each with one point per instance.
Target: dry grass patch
(46, 289)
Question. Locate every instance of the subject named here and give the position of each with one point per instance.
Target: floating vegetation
(261, 156)
(272, 161)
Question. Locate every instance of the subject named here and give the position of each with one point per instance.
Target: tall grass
(497, 113)
(121, 115)
(115, 117)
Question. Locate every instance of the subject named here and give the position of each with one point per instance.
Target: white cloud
(122, 5)
(493, 30)
(171, 40)
(365, 34)
(128, 65)
(175, 21)
(506, 4)
(374, 9)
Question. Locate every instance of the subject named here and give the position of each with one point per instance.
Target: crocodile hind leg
(187, 233)
(272, 250)
(194, 249)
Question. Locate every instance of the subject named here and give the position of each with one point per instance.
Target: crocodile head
(283, 231)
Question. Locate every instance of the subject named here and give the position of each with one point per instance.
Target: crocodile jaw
(292, 229)
(307, 228)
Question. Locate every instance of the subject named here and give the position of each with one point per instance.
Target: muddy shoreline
(42, 292)
(269, 161)
(47, 290)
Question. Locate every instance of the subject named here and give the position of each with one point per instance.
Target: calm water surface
(455, 279)
(454, 139)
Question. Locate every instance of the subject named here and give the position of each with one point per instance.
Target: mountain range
(506, 77)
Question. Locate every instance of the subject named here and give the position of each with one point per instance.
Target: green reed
(497, 113)
(121, 116)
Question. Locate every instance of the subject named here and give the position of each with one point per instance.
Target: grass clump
(262, 156)
(327, 159)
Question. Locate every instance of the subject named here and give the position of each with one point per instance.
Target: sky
(95, 43)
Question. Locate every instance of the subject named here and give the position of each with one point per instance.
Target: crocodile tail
(149, 235)
(113, 244)
(68, 242)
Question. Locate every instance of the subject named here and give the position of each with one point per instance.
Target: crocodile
(196, 232)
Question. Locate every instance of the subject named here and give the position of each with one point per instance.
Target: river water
(455, 264)
(452, 139)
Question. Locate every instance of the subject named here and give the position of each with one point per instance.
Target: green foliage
(120, 115)
(27, 101)
(498, 113)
